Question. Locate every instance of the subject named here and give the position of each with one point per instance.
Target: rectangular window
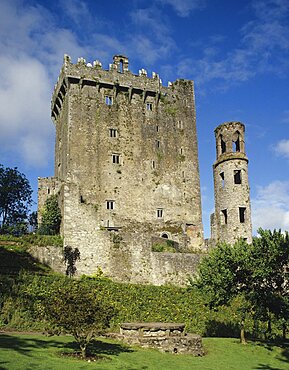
(157, 128)
(181, 151)
(222, 175)
(237, 177)
(160, 213)
(149, 106)
(224, 217)
(108, 100)
(110, 204)
(242, 211)
(116, 158)
(113, 132)
(180, 125)
(153, 164)
(158, 144)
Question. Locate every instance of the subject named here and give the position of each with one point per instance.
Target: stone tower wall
(127, 158)
(232, 217)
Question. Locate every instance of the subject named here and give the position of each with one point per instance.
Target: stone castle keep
(127, 174)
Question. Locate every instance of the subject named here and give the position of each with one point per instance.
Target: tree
(15, 200)
(51, 217)
(257, 271)
(74, 306)
(222, 276)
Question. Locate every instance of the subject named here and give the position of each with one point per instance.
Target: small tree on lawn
(74, 307)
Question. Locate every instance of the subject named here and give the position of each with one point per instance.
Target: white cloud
(184, 7)
(282, 148)
(270, 207)
(263, 47)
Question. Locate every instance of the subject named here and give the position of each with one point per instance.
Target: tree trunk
(83, 350)
(242, 334)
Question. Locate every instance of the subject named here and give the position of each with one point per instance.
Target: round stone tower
(232, 217)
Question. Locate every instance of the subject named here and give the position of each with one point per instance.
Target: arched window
(236, 141)
(223, 144)
(165, 236)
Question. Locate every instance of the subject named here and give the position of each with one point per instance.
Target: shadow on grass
(216, 328)
(284, 352)
(27, 345)
(98, 347)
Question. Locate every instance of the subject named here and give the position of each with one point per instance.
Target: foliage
(33, 221)
(70, 258)
(15, 200)
(78, 310)
(50, 217)
(33, 239)
(256, 272)
(164, 246)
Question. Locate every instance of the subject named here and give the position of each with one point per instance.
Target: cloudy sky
(237, 52)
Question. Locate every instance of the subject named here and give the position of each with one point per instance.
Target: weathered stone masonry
(127, 172)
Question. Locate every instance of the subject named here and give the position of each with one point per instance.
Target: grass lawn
(19, 351)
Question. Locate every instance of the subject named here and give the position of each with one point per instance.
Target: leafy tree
(269, 285)
(51, 217)
(74, 306)
(223, 275)
(15, 200)
(33, 220)
(255, 271)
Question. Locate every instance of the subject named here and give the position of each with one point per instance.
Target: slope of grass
(18, 351)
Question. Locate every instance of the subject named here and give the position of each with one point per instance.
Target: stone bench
(166, 337)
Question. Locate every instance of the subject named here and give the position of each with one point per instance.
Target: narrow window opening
(110, 204)
(181, 151)
(121, 66)
(153, 164)
(222, 175)
(236, 145)
(242, 211)
(149, 106)
(160, 213)
(158, 144)
(108, 100)
(116, 158)
(224, 217)
(180, 125)
(237, 177)
(183, 174)
(81, 199)
(157, 128)
(223, 145)
(48, 190)
(113, 132)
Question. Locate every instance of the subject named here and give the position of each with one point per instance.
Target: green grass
(18, 351)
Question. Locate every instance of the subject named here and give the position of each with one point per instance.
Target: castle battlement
(117, 78)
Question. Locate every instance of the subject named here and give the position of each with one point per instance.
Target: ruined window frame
(149, 106)
(113, 132)
(242, 215)
(237, 177)
(160, 213)
(115, 158)
(108, 99)
(110, 204)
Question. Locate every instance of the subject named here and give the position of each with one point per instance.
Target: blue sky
(237, 52)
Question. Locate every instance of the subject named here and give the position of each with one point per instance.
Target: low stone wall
(166, 337)
(51, 256)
